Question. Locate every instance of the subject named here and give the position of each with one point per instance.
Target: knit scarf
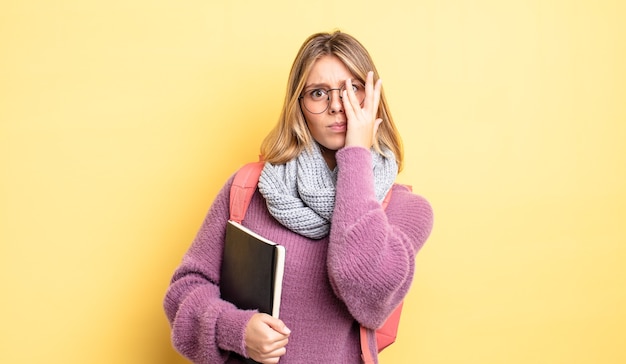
(300, 194)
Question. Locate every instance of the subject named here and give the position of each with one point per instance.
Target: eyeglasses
(317, 100)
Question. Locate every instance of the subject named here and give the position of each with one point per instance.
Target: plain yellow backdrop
(120, 120)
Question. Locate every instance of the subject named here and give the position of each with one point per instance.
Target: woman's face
(328, 128)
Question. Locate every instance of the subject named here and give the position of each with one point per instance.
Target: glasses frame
(328, 93)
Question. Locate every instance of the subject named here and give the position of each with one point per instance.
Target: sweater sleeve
(371, 256)
(205, 328)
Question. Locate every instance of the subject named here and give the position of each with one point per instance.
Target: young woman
(331, 159)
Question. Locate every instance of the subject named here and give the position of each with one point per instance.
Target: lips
(339, 127)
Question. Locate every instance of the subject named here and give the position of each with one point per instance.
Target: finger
(377, 92)
(278, 352)
(347, 106)
(265, 352)
(369, 89)
(273, 353)
(354, 101)
(267, 360)
(276, 347)
(377, 123)
(273, 357)
(277, 325)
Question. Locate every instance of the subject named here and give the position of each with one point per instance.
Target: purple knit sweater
(356, 275)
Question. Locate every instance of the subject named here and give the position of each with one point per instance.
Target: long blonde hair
(291, 134)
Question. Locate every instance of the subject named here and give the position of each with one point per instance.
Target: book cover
(252, 270)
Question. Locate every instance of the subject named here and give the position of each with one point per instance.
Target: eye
(318, 94)
(357, 87)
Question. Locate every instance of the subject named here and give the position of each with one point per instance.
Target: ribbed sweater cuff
(231, 329)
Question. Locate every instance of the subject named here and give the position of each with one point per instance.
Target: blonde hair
(291, 134)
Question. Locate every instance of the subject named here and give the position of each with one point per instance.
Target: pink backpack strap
(242, 189)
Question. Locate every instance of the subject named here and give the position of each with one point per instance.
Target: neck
(329, 157)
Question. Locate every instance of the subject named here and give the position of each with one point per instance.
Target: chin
(332, 146)
(335, 143)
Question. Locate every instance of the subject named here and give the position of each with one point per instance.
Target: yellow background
(120, 120)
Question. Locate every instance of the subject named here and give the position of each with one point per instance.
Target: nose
(335, 102)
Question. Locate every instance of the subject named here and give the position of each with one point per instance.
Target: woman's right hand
(363, 122)
(266, 338)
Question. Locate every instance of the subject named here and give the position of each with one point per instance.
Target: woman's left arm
(371, 257)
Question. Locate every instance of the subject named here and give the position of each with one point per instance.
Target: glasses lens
(359, 91)
(317, 101)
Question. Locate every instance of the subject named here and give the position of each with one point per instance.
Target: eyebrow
(327, 86)
(318, 85)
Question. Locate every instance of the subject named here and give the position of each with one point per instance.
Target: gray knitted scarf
(301, 193)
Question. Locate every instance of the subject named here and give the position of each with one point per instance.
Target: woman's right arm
(205, 327)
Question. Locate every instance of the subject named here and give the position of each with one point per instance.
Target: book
(252, 270)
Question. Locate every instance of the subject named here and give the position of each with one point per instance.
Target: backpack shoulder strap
(242, 189)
